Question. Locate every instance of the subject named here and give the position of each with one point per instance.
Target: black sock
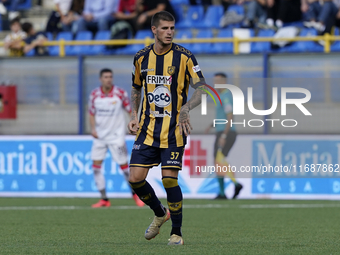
(106, 199)
(176, 231)
(146, 193)
(159, 211)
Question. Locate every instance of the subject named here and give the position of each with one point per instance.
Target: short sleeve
(126, 102)
(136, 73)
(194, 69)
(92, 109)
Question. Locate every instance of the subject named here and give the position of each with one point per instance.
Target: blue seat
(307, 46)
(133, 49)
(184, 34)
(100, 49)
(262, 46)
(178, 9)
(222, 47)
(202, 47)
(81, 49)
(336, 45)
(239, 9)
(23, 6)
(67, 36)
(193, 17)
(212, 17)
(0, 23)
(179, 2)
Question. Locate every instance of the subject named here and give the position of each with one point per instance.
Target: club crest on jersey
(161, 96)
(171, 70)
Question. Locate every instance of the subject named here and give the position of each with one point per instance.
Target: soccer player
(225, 135)
(106, 109)
(163, 70)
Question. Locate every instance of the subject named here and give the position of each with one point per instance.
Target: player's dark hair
(163, 15)
(105, 70)
(224, 75)
(26, 27)
(13, 21)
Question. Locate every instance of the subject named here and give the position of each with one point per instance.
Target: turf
(43, 226)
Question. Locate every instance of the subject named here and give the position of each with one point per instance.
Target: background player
(225, 135)
(106, 108)
(163, 70)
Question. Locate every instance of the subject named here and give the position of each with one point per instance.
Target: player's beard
(163, 44)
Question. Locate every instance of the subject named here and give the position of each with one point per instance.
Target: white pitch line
(204, 206)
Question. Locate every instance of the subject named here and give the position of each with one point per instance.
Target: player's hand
(184, 121)
(133, 127)
(94, 133)
(221, 142)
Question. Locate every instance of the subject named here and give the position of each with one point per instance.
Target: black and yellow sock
(146, 193)
(174, 198)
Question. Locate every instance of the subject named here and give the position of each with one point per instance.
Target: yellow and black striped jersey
(166, 80)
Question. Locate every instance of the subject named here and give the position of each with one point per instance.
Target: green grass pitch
(70, 226)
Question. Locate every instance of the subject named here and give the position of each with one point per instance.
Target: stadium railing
(327, 38)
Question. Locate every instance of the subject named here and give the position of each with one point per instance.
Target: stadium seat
(100, 49)
(212, 17)
(81, 49)
(307, 46)
(184, 34)
(257, 47)
(239, 9)
(132, 49)
(179, 15)
(336, 45)
(193, 17)
(179, 2)
(222, 47)
(23, 6)
(0, 23)
(67, 36)
(202, 47)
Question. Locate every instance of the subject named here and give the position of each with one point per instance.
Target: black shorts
(231, 137)
(147, 156)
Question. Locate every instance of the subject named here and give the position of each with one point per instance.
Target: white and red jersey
(108, 110)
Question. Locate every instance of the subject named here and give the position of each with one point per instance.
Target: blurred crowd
(133, 15)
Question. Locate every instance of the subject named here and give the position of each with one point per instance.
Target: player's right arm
(92, 112)
(135, 101)
(93, 126)
(136, 94)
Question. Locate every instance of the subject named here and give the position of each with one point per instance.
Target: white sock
(99, 178)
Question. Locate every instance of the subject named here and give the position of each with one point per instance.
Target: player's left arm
(197, 79)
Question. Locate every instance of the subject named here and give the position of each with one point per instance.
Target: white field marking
(128, 207)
